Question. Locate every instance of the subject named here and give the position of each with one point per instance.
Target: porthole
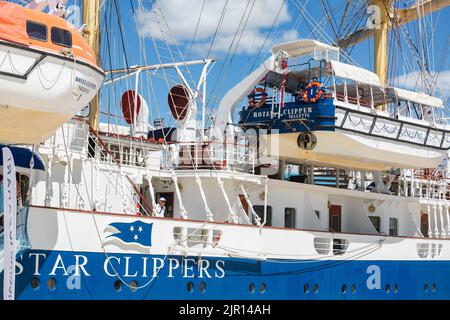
(353, 289)
(202, 287)
(51, 284)
(387, 288)
(433, 287)
(190, 287)
(306, 141)
(305, 288)
(133, 286)
(344, 289)
(316, 288)
(252, 288)
(425, 287)
(395, 289)
(262, 288)
(118, 286)
(35, 282)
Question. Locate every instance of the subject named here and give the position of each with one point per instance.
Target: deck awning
(22, 157)
(305, 47)
(350, 72)
(418, 97)
(301, 47)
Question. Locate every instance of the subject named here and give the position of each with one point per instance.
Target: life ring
(317, 96)
(252, 95)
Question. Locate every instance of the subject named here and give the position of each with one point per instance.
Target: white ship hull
(67, 263)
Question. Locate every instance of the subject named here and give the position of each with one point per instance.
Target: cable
(196, 29)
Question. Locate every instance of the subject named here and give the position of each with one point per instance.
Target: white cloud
(182, 17)
(412, 81)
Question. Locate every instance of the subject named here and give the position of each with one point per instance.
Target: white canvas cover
(419, 97)
(302, 47)
(348, 71)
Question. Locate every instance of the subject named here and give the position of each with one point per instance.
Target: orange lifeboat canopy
(18, 24)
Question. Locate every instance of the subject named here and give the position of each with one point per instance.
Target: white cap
(162, 199)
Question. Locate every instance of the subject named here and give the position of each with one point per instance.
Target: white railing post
(265, 202)
(436, 230)
(442, 221)
(430, 234)
(405, 183)
(345, 91)
(183, 211)
(254, 214)
(151, 190)
(227, 200)
(447, 214)
(372, 103)
(209, 214)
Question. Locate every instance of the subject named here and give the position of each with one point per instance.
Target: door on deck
(169, 203)
(335, 218)
(335, 224)
(424, 224)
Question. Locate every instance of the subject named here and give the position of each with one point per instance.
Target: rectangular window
(37, 31)
(393, 227)
(62, 37)
(289, 217)
(260, 212)
(376, 222)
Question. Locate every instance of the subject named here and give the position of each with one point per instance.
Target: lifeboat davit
(48, 73)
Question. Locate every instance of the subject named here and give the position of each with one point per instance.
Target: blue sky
(248, 49)
(248, 30)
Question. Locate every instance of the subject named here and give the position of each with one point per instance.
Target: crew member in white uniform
(160, 207)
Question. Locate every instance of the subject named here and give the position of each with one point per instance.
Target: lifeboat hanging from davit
(338, 114)
(48, 73)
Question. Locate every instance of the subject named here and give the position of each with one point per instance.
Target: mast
(389, 19)
(91, 18)
(380, 35)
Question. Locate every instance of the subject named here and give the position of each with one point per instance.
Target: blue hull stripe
(52, 274)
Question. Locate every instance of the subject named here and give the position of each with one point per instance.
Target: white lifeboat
(48, 73)
(332, 118)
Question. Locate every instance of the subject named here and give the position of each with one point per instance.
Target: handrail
(102, 143)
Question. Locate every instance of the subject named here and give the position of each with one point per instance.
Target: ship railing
(76, 140)
(115, 159)
(208, 155)
(429, 184)
(133, 152)
(356, 100)
(134, 203)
